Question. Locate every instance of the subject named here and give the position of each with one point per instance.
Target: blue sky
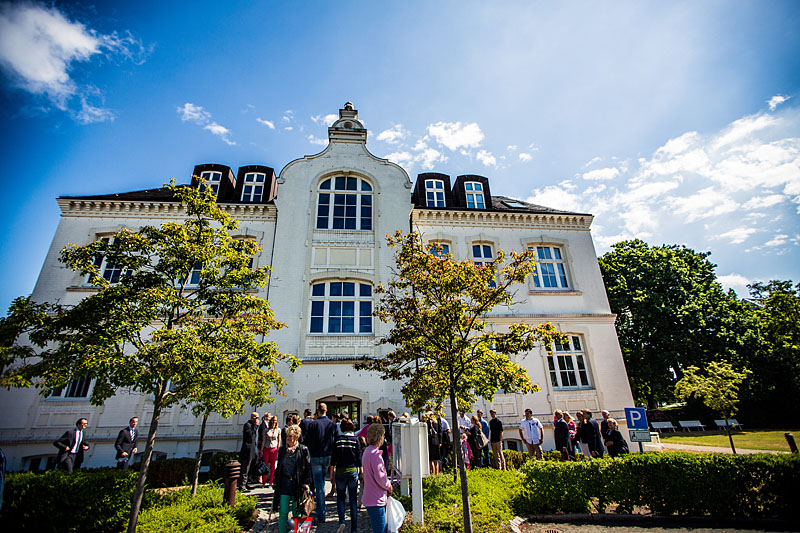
(675, 122)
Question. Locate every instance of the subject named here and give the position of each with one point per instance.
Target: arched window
(344, 203)
(341, 307)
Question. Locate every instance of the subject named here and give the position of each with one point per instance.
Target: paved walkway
(267, 522)
(713, 449)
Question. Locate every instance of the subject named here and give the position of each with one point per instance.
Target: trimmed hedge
(168, 472)
(747, 486)
(58, 501)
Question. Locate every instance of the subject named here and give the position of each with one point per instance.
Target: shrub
(670, 483)
(169, 472)
(60, 501)
(216, 468)
(515, 459)
(206, 512)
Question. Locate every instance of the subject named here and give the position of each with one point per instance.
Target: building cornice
(505, 219)
(583, 318)
(155, 209)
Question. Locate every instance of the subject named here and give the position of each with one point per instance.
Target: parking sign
(636, 418)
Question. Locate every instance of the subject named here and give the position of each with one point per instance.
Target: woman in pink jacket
(376, 483)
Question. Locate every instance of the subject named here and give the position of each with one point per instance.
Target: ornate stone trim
(502, 219)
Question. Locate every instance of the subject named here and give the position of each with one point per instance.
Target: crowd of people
(303, 453)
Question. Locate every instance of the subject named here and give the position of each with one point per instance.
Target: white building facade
(322, 224)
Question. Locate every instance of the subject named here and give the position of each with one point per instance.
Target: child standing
(465, 451)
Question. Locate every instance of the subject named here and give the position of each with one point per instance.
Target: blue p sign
(636, 417)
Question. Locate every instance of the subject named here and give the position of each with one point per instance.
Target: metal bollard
(230, 478)
(790, 439)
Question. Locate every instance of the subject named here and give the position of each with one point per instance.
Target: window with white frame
(550, 272)
(439, 249)
(474, 190)
(213, 180)
(78, 388)
(434, 193)
(344, 203)
(253, 190)
(194, 274)
(341, 307)
(567, 365)
(482, 255)
(110, 271)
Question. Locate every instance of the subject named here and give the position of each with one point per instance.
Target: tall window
(253, 190)
(550, 272)
(77, 388)
(194, 275)
(482, 255)
(474, 192)
(568, 365)
(213, 179)
(109, 270)
(345, 203)
(434, 193)
(439, 249)
(341, 307)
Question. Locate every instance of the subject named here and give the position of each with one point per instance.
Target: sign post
(639, 430)
(410, 458)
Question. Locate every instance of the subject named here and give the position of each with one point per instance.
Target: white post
(417, 434)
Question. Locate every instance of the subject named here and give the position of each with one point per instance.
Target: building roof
(161, 194)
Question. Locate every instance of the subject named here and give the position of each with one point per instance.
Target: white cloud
(401, 158)
(763, 201)
(555, 197)
(744, 128)
(511, 147)
(705, 203)
(777, 240)
(325, 120)
(777, 100)
(194, 113)
(220, 131)
(421, 154)
(190, 112)
(524, 157)
(738, 235)
(602, 174)
(39, 47)
(455, 135)
(393, 135)
(486, 158)
(429, 157)
(736, 282)
(267, 123)
(317, 140)
(289, 128)
(679, 144)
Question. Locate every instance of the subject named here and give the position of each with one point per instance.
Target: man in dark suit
(561, 435)
(126, 444)
(71, 446)
(595, 439)
(248, 455)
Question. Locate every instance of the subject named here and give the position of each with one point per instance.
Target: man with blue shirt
(319, 440)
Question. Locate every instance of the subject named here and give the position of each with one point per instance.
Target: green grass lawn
(758, 439)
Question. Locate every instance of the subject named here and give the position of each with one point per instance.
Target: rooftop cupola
(347, 129)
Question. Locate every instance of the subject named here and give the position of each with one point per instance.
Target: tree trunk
(462, 469)
(136, 503)
(199, 454)
(730, 437)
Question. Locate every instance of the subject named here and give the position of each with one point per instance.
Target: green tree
(776, 361)
(671, 313)
(442, 348)
(182, 307)
(718, 390)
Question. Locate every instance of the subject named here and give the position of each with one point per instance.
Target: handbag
(307, 504)
(262, 468)
(481, 440)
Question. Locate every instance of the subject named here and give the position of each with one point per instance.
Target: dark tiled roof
(510, 205)
(161, 194)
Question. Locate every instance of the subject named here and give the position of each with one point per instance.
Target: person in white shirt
(463, 422)
(531, 432)
(71, 446)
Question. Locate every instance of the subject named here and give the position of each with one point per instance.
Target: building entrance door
(339, 404)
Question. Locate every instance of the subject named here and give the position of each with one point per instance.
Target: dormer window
(253, 190)
(213, 180)
(434, 193)
(474, 192)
